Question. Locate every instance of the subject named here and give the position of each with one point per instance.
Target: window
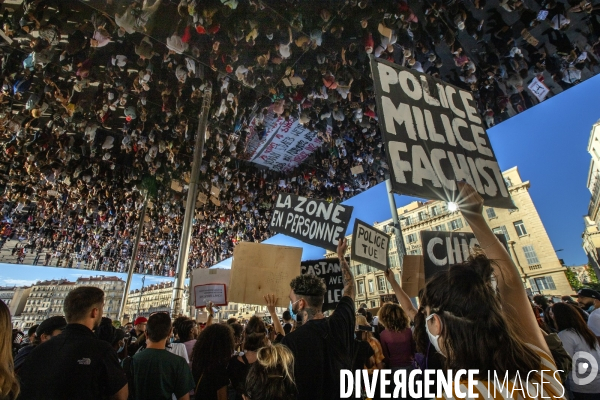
(501, 230)
(371, 289)
(543, 283)
(361, 287)
(422, 216)
(411, 238)
(491, 213)
(414, 252)
(373, 304)
(530, 255)
(380, 283)
(456, 224)
(520, 228)
(441, 227)
(435, 211)
(408, 220)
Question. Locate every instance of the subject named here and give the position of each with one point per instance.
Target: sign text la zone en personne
(370, 246)
(330, 270)
(434, 137)
(317, 222)
(443, 249)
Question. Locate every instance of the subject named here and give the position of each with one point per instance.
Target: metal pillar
(401, 249)
(190, 206)
(137, 314)
(136, 245)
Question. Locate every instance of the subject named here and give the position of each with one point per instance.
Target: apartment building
(591, 232)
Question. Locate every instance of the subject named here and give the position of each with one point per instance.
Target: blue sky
(548, 143)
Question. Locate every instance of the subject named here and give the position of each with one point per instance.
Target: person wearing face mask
(470, 326)
(322, 346)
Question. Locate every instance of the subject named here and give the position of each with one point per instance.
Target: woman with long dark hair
(478, 316)
(212, 352)
(577, 338)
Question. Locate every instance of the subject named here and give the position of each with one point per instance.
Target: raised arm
(516, 304)
(209, 309)
(347, 277)
(271, 300)
(401, 295)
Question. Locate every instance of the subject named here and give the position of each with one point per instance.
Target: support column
(190, 206)
(136, 245)
(401, 249)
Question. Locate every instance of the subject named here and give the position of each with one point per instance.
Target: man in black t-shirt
(75, 364)
(322, 346)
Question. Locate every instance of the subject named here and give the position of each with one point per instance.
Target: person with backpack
(157, 373)
(322, 346)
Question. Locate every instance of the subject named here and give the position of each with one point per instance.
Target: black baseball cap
(588, 293)
(50, 325)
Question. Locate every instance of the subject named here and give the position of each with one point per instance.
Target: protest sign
(260, 269)
(208, 276)
(434, 137)
(413, 275)
(388, 298)
(215, 201)
(283, 143)
(357, 170)
(370, 246)
(443, 249)
(176, 186)
(215, 292)
(539, 89)
(330, 270)
(215, 191)
(317, 222)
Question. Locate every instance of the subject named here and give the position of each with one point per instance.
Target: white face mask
(433, 339)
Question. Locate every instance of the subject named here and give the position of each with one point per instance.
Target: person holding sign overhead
(322, 346)
(478, 316)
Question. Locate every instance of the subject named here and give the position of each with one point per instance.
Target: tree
(576, 284)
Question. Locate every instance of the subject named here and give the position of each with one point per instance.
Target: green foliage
(576, 285)
(572, 278)
(150, 184)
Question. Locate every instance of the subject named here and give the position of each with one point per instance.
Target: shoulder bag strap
(198, 384)
(245, 359)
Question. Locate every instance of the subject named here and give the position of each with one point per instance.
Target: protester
(272, 375)
(210, 357)
(590, 299)
(322, 346)
(255, 337)
(396, 339)
(75, 364)
(158, 374)
(364, 332)
(137, 336)
(577, 337)
(9, 385)
(287, 322)
(187, 332)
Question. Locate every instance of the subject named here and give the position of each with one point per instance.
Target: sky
(548, 144)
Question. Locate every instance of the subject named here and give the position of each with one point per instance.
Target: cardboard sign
(388, 298)
(215, 292)
(444, 249)
(539, 89)
(53, 193)
(202, 198)
(215, 191)
(357, 170)
(370, 246)
(259, 269)
(215, 201)
(176, 186)
(330, 270)
(317, 222)
(434, 137)
(413, 275)
(206, 276)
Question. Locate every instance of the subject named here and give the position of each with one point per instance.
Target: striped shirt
(519, 388)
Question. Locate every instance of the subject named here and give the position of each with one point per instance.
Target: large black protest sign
(330, 270)
(434, 137)
(370, 246)
(317, 222)
(443, 249)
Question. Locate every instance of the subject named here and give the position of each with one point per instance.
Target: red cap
(229, 69)
(200, 29)
(140, 320)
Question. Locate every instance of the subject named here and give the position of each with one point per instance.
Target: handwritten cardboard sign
(330, 270)
(370, 246)
(215, 292)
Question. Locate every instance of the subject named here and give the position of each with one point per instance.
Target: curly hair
(310, 288)
(393, 317)
(213, 349)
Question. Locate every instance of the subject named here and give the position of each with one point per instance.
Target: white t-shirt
(573, 343)
(594, 322)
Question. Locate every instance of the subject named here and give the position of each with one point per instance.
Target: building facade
(7, 293)
(591, 233)
(151, 299)
(529, 244)
(46, 299)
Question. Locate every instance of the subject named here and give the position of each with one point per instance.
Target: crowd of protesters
(100, 98)
(474, 316)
